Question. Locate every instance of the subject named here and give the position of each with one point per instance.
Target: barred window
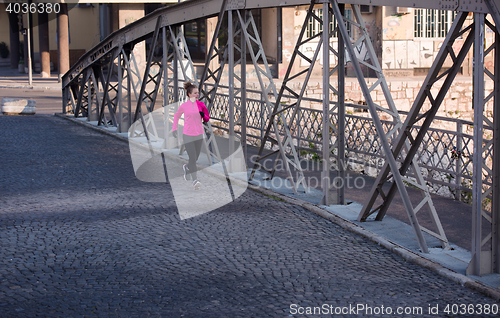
(431, 23)
(314, 27)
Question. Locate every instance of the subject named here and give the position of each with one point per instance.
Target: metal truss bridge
(108, 86)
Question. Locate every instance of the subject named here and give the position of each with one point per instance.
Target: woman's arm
(204, 110)
(177, 116)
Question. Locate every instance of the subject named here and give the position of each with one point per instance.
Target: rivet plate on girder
(448, 4)
(236, 4)
(120, 40)
(164, 21)
(473, 5)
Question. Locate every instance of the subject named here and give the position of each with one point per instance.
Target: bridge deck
(81, 235)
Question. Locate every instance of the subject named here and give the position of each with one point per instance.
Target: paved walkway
(11, 78)
(81, 236)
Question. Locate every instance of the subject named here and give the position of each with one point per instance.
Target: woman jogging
(194, 112)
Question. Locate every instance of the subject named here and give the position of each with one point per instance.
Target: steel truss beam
(129, 82)
(249, 35)
(83, 93)
(126, 72)
(149, 99)
(121, 104)
(236, 91)
(88, 95)
(94, 96)
(486, 183)
(414, 116)
(192, 10)
(211, 142)
(217, 55)
(106, 100)
(168, 98)
(122, 79)
(329, 108)
(495, 207)
(118, 103)
(69, 102)
(113, 98)
(371, 62)
(156, 79)
(280, 110)
(330, 129)
(282, 137)
(214, 76)
(182, 56)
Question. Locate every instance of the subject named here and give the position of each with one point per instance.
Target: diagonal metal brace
(376, 119)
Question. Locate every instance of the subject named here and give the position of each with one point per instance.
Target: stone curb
(405, 253)
(391, 246)
(97, 128)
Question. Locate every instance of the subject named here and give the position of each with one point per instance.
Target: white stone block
(13, 106)
(409, 93)
(414, 84)
(396, 85)
(403, 104)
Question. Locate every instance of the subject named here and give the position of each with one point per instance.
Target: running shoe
(187, 176)
(196, 184)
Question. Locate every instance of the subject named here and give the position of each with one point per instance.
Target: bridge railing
(445, 155)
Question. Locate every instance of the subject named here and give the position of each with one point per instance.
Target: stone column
(128, 13)
(210, 29)
(25, 50)
(63, 40)
(43, 37)
(14, 40)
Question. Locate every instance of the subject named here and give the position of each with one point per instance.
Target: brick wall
(457, 103)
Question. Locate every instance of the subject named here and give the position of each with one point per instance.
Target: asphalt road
(48, 102)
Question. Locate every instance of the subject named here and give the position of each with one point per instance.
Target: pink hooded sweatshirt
(192, 122)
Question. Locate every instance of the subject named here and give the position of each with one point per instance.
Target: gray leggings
(193, 148)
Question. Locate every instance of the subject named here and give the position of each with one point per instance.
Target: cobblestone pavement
(80, 236)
